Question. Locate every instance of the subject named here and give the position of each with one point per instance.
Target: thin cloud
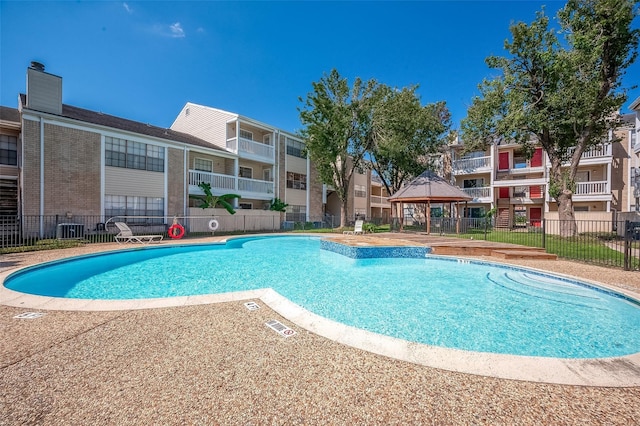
(176, 30)
(127, 8)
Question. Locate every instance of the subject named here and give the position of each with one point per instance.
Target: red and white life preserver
(213, 224)
(172, 231)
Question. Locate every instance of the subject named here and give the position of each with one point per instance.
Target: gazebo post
(401, 216)
(457, 217)
(428, 217)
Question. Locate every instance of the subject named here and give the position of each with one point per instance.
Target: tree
(563, 95)
(337, 132)
(210, 201)
(405, 132)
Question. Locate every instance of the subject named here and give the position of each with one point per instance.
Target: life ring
(213, 224)
(175, 227)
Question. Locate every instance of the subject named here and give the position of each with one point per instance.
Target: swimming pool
(449, 303)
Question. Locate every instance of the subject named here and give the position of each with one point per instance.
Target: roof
(635, 105)
(429, 187)
(93, 117)
(9, 114)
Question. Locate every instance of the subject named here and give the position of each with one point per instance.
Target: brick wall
(31, 167)
(176, 182)
(71, 171)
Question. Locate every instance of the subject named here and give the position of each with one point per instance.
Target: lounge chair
(357, 229)
(126, 235)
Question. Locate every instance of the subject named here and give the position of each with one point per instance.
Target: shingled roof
(429, 187)
(9, 114)
(93, 117)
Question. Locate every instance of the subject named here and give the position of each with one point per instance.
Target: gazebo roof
(429, 187)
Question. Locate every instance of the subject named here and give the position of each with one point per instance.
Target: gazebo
(426, 189)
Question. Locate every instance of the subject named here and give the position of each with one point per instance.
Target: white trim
(41, 177)
(166, 180)
(185, 186)
(103, 162)
(308, 188)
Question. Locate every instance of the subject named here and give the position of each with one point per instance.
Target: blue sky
(144, 60)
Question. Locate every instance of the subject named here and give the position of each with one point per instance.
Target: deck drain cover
(29, 315)
(252, 306)
(280, 328)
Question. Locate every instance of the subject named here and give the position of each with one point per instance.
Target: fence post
(627, 245)
(544, 234)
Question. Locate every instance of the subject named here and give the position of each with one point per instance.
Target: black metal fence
(33, 232)
(608, 243)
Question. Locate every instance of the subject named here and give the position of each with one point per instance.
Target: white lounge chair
(126, 235)
(357, 229)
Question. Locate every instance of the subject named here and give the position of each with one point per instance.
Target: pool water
(465, 305)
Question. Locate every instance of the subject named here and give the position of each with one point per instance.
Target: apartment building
(61, 160)
(270, 162)
(634, 157)
(504, 178)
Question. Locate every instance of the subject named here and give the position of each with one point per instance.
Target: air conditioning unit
(70, 231)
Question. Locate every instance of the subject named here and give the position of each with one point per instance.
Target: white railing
(217, 181)
(255, 186)
(256, 149)
(470, 164)
(602, 150)
(232, 144)
(484, 192)
(592, 188)
(375, 199)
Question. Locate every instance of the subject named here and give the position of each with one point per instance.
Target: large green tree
(337, 122)
(563, 94)
(405, 133)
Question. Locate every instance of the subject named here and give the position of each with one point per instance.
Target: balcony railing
(471, 164)
(217, 181)
(592, 188)
(484, 192)
(379, 200)
(253, 149)
(255, 186)
(602, 150)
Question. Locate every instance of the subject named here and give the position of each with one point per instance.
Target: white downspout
(41, 177)
(102, 177)
(185, 194)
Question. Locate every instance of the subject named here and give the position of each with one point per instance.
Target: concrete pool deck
(65, 361)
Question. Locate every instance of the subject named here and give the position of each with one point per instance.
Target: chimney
(44, 90)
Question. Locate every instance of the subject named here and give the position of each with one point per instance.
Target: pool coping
(621, 371)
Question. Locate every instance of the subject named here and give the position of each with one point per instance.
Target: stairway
(503, 219)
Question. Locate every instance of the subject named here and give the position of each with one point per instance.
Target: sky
(143, 60)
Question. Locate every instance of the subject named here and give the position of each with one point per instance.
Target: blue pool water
(466, 305)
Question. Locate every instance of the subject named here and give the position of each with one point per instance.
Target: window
(145, 207)
(267, 175)
(475, 212)
(473, 183)
(580, 208)
(634, 137)
(9, 197)
(245, 134)
(296, 181)
(360, 191)
(295, 148)
(245, 206)
(9, 150)
(296, 214)
(245, 172)
(133, 155)
(203, 165)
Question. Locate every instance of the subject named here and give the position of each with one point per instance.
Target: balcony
(254, 188)
(252, 150)
(224, 184)
(377, 201)
(595, 154)
(593, 188)
(482, 194)
(472, 165)
(527, 194)
(219, 183)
